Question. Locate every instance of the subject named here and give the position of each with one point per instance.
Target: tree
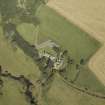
(56, 49)
(82, 61)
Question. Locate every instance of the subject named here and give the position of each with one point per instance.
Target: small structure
(58, 61)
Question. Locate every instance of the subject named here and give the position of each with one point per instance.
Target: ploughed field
(79, 45)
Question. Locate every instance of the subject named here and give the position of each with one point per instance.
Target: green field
(76, 41)
(68, 36)
(28, 32)
(16, 62)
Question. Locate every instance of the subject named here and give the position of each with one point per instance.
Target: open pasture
(70, 37)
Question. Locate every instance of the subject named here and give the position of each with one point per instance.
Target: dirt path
(89, 16)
